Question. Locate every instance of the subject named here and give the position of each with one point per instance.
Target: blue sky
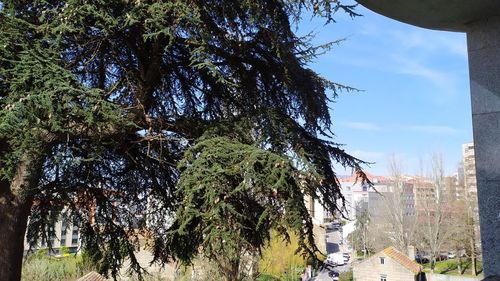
(415, 99)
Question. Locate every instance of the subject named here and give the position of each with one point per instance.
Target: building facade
(388, 265)
(469, 165)
(65, 234)
(470, 183)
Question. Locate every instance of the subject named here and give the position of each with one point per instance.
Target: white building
(66, 235)
(357, 197)
(469, 165)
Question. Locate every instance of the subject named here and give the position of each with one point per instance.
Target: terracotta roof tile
(403, 259)
(92, 276)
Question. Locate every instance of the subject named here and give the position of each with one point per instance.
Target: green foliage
(227, 187)
(41, 267)
(199, 118)
(267, 277)
(280, 257)
(451, 266)
(151, 277)
(85, 263)
(292, 275)
(43, 99)
(360, 237)
(65, 251)
(346, 276)
(40, 253)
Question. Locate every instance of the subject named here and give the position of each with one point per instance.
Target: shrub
(279, 258)
(346, 276)
(41, 267)
(49, 269)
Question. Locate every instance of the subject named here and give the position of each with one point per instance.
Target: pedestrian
(303, 276)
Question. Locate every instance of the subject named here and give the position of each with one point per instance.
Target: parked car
(441, 256)
(421, 259)
(334, 274)
(451, 255)
(335, 259)
(330, 260)
(346, 256)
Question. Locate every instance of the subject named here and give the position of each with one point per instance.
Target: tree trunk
(459, 267)
(15, 206)
(14, 213)
(473, 248)
(231, 271)
(230, 275)
(474, 267)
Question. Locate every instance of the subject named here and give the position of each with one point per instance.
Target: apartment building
(470, 183)
(469, 165)
(65, 234)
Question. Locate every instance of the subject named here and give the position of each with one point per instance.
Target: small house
(388, 265)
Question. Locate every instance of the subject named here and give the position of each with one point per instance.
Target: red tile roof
(355, 177)
(92, 276)
(402, 259)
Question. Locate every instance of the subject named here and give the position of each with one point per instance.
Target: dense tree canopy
(200, 117)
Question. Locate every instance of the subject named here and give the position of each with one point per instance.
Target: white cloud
(455, 45)
(431, 42)
(426, 129)
(410, 51)
(413, 66)
(431, 129)
(366, 126)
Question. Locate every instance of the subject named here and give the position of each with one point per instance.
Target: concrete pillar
(483, 42)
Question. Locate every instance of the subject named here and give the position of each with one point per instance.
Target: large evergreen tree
(201, 116)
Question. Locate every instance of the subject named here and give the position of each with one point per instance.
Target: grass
(46, 268)
(451, 267)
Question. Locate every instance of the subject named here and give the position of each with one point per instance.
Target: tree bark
(15, 205)
(473, 257)
(459, 256)
(473, 244)
(14, 214)
(231, 270)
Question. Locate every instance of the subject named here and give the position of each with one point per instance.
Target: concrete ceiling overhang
(451, 15)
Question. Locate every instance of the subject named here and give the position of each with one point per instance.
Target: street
(333, 238)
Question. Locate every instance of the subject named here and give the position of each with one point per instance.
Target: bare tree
(400, 220)
(464, 233)
(434, 212)
(362, 226)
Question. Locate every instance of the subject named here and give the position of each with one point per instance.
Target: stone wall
(443, 277)
(320, 238)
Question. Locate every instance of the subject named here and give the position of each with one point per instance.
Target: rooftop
(92, 276)
(402, 259)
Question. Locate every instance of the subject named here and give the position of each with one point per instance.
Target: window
(382, 260)
(383, 277)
